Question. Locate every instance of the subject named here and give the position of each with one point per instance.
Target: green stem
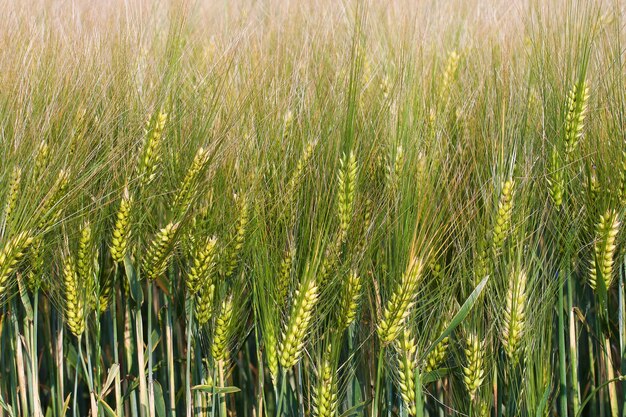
(379, 371)
(116, 355)
(150, 363)
(573, 347)
(562, 362)
(188, 361)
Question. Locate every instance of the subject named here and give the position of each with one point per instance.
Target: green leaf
(133, 281)
(107, 408)
(113, 371)
(211, 389)
(159, 400)
(432, 376)
(356, 410)
(460, 316)
(541, 408)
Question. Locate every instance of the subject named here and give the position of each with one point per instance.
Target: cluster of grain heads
(407, 351)
(73, 297)
(159, 252)
(474, 367)
(294, 334)
(86, 259)
(350, 300)
(604, 249)
(325, 391)
(556, 181)
(514, 320)
(222, 330)
(502, 221)
(203, 259)
(150, 155)
(577, 99)
(399, 304)
(11, 255)
(122, 229)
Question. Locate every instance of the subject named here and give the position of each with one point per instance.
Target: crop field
(316, 208)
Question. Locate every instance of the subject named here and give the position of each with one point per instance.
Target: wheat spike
(203, 264)
(474, 368)
(514, 315)
(11, 255)
(122, 229)
(150, 156)
(159, 252)
(221, 333)
(325, 391)
(577, 99)
(74, 303)
(240, 236)
(555, 179)
(406, 370)
(187, 188)
(294, 334)
(604, 249)
(399, 305)
(350, 300)
(502, 221)
(11, 199)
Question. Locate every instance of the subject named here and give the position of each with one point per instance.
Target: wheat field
(312, 208)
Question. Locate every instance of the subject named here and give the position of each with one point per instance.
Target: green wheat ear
(399, 305)
(159, 252)
(325, 391)
(577, 100)
(188, 187)
(555, 179)
(150, 156)
(222, 330)
(294, 335)
(407, 350)
(204, 256)
(514, 324)
(122, 230)
(474, 367)
(74, 302)
(11, 255)
(604, 249)
(11, 199)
